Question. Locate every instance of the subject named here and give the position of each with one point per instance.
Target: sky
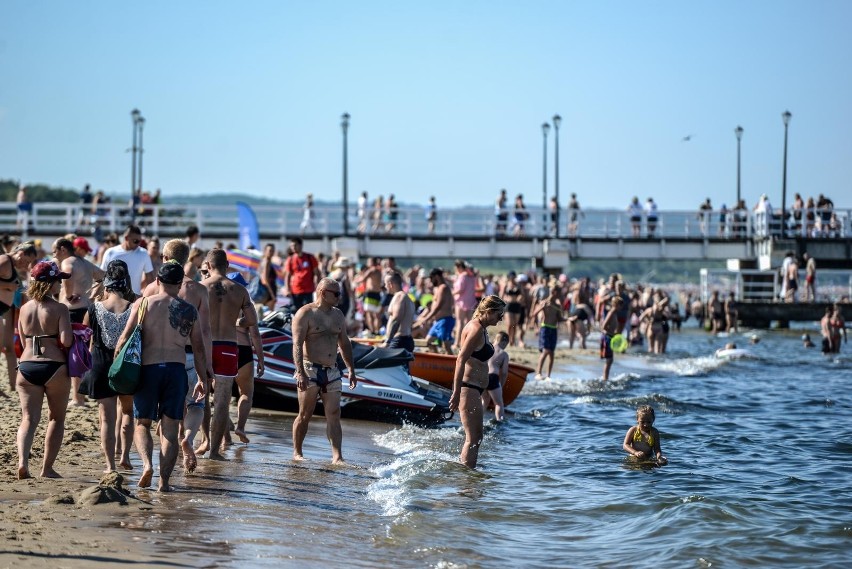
(447, 98)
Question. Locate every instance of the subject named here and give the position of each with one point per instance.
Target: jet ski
(386, 391)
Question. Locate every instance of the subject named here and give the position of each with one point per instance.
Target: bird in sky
(687, 138)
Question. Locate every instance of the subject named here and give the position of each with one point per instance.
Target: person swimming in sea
(643, 440)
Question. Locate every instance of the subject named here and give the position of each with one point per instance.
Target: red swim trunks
(225, 361)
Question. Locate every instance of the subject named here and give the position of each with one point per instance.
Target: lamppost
(785, 116)
(557, 120)
(141, 152)
(134, 114)
(739, 132)
(344, 124)
(545, 128)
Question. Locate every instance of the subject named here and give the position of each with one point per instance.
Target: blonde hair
(489, 303)
(39, 289)
(645, 411)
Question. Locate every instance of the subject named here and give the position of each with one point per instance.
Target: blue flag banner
(249, 234)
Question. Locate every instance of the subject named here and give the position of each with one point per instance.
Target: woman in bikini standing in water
(471, 375)
(45, 328)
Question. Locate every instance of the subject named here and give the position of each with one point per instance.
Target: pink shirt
(464, 290)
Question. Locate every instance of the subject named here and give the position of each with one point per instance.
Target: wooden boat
(439, 369)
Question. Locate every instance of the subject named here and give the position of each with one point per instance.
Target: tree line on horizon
(37, 192)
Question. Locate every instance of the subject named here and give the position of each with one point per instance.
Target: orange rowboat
(439, 369)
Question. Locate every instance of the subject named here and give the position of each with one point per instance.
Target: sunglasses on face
(336, 293)
(134, 241)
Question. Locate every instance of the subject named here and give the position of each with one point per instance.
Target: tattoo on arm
(182, 316)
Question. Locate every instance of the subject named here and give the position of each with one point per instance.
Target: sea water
(760, 456)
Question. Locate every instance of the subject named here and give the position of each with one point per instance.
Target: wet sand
(43, 522)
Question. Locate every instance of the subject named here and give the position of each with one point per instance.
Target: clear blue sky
(447, 97)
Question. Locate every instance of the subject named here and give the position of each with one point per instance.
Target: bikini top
(37, 341)
(14, 277)
(638, 436)
(484, 353)
(512, 292)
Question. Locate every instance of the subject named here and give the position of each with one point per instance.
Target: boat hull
(439, 369)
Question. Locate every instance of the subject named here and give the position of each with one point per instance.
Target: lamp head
(557, 120)
(344, 121)
(786, 116)
(135, 114)
(739, 132)
(545, 128)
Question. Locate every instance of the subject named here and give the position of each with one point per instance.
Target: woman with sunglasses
(471, 375)
(45, 328)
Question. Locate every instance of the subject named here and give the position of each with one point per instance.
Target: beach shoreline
(43, 521)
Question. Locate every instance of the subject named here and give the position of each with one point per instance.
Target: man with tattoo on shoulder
(228, 301)
(75, 290)
(167, 323)
(319, 330)
(195, 294)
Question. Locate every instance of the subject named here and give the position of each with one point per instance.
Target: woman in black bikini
(471, 375)
(45, 328)
(19, 259)
(513, 297)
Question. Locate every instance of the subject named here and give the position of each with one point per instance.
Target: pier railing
(467, 222)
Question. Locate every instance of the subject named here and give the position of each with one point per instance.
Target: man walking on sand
(228, 301)
(319, 331)
(167, 322)
(195, 294)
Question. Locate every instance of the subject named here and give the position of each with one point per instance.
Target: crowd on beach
(199, 325)
(204, 321)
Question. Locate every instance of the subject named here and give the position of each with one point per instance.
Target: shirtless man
(319, 331)
(810, 278)
(167, 322)
(715, 311)
(371, 276)
(195, 294)
(400, 314)
(75, 290)
(228, 301)
(551, 311)
(731, 314)
(609, 327)
(441, 311)
(791, 280)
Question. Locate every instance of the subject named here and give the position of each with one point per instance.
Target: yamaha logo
(391, 395)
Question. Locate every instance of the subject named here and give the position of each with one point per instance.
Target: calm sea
(760, 458)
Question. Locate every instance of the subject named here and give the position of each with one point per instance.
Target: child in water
(498, 372)
(643, 440)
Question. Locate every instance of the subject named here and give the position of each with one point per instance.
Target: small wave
(691, 367)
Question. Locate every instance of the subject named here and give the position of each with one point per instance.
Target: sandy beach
(44, 522)
(47, 522)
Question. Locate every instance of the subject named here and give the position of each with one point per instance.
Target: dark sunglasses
(135, 241)
(336, 293)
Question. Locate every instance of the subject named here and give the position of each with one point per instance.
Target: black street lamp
(344, 124)
(785, 116)
(739, 132)
(557, 120)
(545, 128)
(141, 152)
(134, 114)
